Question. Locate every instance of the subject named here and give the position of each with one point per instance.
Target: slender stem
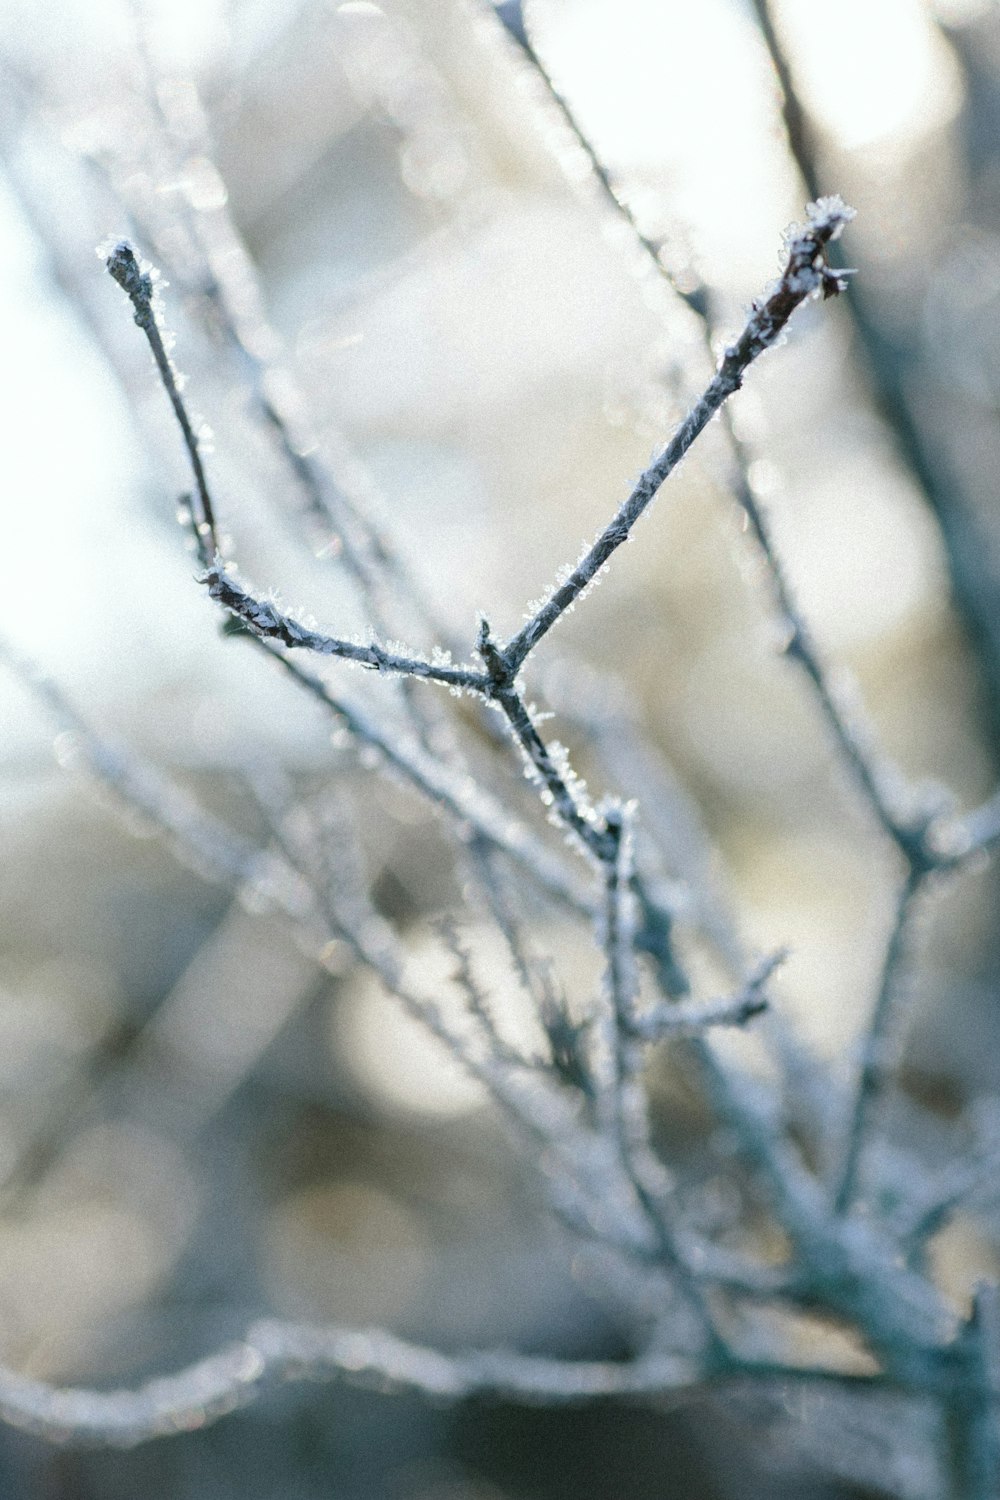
(263, 618)
(138, 286)
(875, 1063)
(805, 274)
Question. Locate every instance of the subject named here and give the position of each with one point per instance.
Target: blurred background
(197, 1123)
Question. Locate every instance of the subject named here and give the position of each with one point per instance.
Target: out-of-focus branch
(275, 1352)
(695, 1016)
(970, 1411)
(470, 807)
(621, 1106)
(949, 1191)
(975, 585)
(194, 833)
(876, 1058)
(511, 14)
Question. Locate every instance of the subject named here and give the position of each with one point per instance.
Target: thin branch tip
(829, 216)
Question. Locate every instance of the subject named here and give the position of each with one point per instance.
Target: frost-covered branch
(140, 288)
(263, 617)
(698, 1015)
(806, 275)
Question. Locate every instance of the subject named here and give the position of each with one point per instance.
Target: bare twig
(263, 617)
(805, 275)
(139, 286)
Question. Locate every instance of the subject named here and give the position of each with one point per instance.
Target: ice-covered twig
(698, 1015)
(263, 617)
(574, 811)
(805, 275)
(139, 286)
(259, 616)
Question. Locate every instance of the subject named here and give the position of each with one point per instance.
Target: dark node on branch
(124, 268)
(135, 283)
